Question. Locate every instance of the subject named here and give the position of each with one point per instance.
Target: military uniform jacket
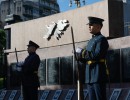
(96, 49)
(30, 69)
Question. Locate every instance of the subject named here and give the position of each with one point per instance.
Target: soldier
(94, 57)
(30, 81)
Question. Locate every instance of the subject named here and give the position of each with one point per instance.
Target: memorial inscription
(53, 71)
(66, 70)
(115, 94)
(126, 64)
(42, 72)
(69, 95)
(85, 93)
(113, 59)
(128, 96)
(12, 95)
(20, 97)
(2, 95)
(44, 95)
(57, 94)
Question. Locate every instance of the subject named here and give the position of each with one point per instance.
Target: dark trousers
(30, 92)
(97, 91)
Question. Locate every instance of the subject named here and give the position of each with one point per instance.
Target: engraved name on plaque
(20, 97)
(128, 96)
(126, 63)
(53, 71)
(113, 59)
(115, 94)
(66, 70)
(85, 93)
(57, 94)
(69, 95)
(2, 95)
(44, 95)
(12, 95)
(42, 72)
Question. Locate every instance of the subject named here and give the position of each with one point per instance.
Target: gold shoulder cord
(83, 53)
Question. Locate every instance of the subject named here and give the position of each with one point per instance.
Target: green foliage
(2, 45)
(2, 39)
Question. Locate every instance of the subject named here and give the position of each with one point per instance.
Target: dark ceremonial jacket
(96, 49)
(30, 70)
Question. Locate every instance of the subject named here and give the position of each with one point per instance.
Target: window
(8, 38)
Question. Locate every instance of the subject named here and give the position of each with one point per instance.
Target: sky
(64, 4)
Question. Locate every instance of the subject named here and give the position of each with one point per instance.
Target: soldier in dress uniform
(94, 56)
(30, 80)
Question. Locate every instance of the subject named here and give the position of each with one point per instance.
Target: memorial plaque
(69, 95)
(53, 71)
(42, 72)
(66, 70)
(113, 64)
(12, 95)
(115, 94)
(128, 96)
(57, 94)
(2, 95)
(85, 93)
(44, 95)
(126, 64)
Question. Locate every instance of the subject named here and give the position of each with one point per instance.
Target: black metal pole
(16, 55)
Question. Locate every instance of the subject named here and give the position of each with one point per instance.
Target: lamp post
(77, 2)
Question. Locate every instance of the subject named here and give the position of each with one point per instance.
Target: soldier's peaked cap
(95, 20)
(31, 43)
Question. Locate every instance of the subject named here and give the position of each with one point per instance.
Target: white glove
(19, 69)
(19, 66)
(78, 50)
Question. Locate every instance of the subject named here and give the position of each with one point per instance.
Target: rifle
(17, 63)
(79, 83)
(16, 55)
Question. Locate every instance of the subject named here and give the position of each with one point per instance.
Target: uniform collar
(32, 53)
(99, 33)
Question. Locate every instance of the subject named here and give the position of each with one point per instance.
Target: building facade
(56, 55)
(58, 67)
(126, 4)
(28, 9)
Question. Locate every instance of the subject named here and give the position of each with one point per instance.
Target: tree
(2, 39)
(2, 46)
